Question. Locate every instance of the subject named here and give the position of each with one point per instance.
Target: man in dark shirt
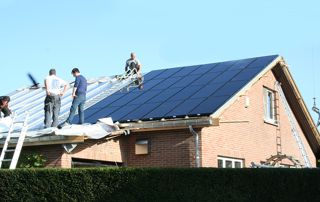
(4, 105)
(79, 97)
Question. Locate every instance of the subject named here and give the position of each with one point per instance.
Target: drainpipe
(196, 135)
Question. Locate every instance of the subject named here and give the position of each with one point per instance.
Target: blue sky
(97, 36)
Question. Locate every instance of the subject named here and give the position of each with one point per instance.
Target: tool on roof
(12, 148)
(33, 80)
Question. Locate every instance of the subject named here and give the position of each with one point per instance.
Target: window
(225, 162)
(87, 163)
(269, 106)
(142, 146)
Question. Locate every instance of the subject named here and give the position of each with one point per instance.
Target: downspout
(196, 135)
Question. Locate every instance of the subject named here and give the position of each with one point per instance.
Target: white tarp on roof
(93, 131)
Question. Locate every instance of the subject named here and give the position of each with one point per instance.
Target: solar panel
(222, 66)
(165, 95)
(168, 73)
(225, 76)
(186, 70)
(179, 92)
(262, 61)
(230, 88)
(185, 81)
(185, 107)
(185, 93)
(206, 78)
(162, 110)
(166, 83)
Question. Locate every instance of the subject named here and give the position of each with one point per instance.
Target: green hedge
(127, 184)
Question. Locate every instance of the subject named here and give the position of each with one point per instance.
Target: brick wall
(102, 150)
(174, 148)
(254, 140)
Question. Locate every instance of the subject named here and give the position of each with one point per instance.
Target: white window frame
(233, 160)
(270, 114)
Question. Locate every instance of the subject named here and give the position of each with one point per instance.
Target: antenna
(316, 109)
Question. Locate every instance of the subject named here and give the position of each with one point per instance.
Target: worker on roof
(52, 103)
(79, 97)
(4, 105)
(133, 66)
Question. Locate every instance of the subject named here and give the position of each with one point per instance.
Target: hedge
(151, 184)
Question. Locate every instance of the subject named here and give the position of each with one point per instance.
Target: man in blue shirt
(79, 97)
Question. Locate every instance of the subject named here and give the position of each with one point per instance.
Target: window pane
(270, 114)
(237, 165)
(220, 163)
(228, 164)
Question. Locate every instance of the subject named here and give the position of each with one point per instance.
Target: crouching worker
(52, 103)
(4, 106)
(133, 66)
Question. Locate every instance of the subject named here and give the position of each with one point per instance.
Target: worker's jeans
(52, 106)
(78, 102)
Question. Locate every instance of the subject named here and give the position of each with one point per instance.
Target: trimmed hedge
(149, 184)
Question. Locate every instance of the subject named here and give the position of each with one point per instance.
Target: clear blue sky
(97, 36)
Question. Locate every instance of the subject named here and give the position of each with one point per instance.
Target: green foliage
(127, 184)
(32, 161)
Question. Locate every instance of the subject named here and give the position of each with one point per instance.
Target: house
(226, 114)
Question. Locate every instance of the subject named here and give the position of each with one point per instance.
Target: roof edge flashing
(180, 123)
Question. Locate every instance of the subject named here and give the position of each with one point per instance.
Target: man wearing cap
(79, 98)
(52, 103)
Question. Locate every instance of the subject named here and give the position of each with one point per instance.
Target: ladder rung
(6, 160)
(10, 150)
(19, 122)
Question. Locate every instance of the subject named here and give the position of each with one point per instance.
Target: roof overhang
(170, 124)
(298, 106)
(47, 140)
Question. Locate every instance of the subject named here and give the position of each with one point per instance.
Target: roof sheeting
(179, 92)
(32, 100)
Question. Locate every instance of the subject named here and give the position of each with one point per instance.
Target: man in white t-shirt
(52, 103)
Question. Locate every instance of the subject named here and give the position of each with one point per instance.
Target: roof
(32, 99)
(191, 91)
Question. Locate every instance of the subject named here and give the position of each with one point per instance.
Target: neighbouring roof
(178, 92)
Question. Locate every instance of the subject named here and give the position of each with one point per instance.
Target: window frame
(233, 161)
(270, 110)
(141, 142)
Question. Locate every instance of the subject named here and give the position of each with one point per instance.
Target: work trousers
(52, 106)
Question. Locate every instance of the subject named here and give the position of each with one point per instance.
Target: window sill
(271, 122)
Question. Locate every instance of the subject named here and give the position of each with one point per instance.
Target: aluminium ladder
(16, 150)
(293, 126)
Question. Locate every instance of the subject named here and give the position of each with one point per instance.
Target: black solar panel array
(177, 92)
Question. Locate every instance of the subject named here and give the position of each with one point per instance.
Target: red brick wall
(255, 140)
(52, 153)
(174, 148)
(103, 150)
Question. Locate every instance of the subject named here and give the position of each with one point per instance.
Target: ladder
(16, 150)
(122, 81)
(278, 129)
(293, 126)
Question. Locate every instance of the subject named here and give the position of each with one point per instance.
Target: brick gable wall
(254, 140)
